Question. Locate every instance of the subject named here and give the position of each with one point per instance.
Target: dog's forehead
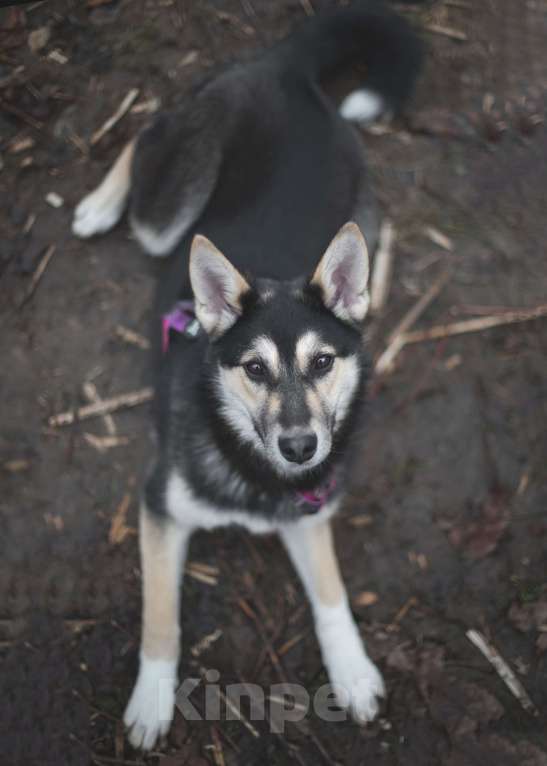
(282, 327)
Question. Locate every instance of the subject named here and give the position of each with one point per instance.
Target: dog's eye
(323, 362)
(255, 369)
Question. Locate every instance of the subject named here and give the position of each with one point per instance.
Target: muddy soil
(445, 529)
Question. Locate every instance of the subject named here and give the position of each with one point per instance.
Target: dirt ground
(445, 530)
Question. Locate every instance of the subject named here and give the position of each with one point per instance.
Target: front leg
(163, 545)
(355, 679)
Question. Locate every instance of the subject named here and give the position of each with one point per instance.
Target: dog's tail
(367, 33)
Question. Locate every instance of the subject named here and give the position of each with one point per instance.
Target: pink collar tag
(181, 319)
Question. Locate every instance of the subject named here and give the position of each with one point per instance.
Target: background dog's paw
(150, 710)
(96, 213)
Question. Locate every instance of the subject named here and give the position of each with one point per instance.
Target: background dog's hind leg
(100, 210)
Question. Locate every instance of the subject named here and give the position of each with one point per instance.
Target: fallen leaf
(462, 708)
(38, 39)
(479, 538)
(366, 598)
(402, 658)
(430, 667)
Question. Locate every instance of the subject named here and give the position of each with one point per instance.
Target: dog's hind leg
(163, 552)
(174, 172)
(355, 679)
(100, 210)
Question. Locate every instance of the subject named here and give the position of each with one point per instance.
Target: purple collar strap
(182, 319)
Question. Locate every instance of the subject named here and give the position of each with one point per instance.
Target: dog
(261, 362)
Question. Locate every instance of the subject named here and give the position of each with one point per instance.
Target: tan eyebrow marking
(264, 348)
(308, 346)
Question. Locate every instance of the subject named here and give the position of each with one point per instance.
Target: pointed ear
(342, 275)
(218, 287)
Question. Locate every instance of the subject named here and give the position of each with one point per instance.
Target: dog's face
(288, 357)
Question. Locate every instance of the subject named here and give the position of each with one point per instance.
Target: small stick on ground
(308, 7)
(402, 613)
(288, 645)
(230, 705)
(104, 443)
(395, 339)
(438, 238)
(474, 325)
(200, 576)
(118, 527)
(116, 117)
(205, 643)
(218, 753)
(120, 402)
(132, 337)
(502, 669)
(38, 274)
(439, 29)
(92, 395)
(383, 267)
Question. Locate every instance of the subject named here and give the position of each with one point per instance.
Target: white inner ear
(217, 286)
(342, 275)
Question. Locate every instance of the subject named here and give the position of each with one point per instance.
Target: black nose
(298, 449)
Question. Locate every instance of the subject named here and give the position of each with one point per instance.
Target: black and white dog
(260, 389)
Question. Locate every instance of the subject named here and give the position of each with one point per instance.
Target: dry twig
(233, 708)
(200, 576)
(395, 340)
(438, 238)
(205, 643)
(92, 395)
(116, 117)
(218, 753)
(383, 266)
(118, 527)
(38, 274)
(502, 669)
(132, 337)
(104, 443)
(131, 399)
(440, 29)
(474, 325)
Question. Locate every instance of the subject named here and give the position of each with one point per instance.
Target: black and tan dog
(260, 392)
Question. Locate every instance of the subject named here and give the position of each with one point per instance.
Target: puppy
(261, 367)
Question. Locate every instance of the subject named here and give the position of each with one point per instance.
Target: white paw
(97, 213)
(150, 710)
(355, 679)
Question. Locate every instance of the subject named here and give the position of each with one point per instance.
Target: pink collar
(182, 319)
(316, 498)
